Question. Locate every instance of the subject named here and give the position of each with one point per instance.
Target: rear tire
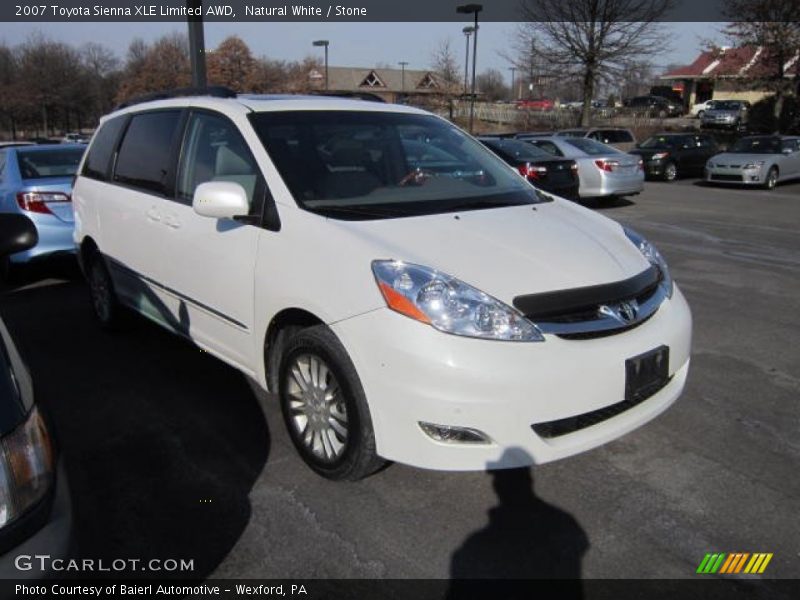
(107, 309)
(324, 407)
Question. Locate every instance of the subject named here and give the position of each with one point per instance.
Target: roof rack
(369, 97)
(215, 91)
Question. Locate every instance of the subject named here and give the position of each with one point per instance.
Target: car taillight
(606, 165)
(532, 171)
(641, 164)
(36, 202)
(574, 167)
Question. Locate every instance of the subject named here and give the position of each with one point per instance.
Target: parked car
(654, 106)
(556, 175)
(36, 181)
(75, 138)
(699, 109)
(526, 135)
(603, 171)
(434, 315)
(35, 507)
(539, 104)
(668, 156)
(761, 160)
(14, 144)
(616, 137)
(727, 114)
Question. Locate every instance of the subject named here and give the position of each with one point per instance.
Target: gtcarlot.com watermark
(44, 563)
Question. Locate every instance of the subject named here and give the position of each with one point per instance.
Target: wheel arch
(275, 337)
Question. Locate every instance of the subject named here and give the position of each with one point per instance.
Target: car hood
(736, 158)
(507, 252)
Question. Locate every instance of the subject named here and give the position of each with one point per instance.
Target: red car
(541, 104)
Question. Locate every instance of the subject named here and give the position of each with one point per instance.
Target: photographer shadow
(526, 538)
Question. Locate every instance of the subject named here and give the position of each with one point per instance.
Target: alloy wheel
(317, 409)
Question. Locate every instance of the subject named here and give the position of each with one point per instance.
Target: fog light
(454, 435)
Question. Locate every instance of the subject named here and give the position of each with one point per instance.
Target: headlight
(659, 155)
(26, 467)
(710, 165)
(448, 304)
(653, 256)
(754, 165)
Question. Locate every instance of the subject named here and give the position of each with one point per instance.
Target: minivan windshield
(373, 164)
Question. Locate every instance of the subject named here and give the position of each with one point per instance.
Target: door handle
(172, 221)
(153, 214)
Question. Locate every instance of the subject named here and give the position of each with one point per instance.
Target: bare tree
(491, 85)
(589, 39)
(444, 64)
(773, 26)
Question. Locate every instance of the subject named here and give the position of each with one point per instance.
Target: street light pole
(467, 32)
(403, 64)
(472, 9)
(324, 43)
(197, 50)
(513, 70)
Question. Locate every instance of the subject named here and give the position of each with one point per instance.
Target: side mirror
(220, 200)
(17, 234)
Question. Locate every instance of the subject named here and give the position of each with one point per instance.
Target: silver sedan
(760, 160)
(603, 171)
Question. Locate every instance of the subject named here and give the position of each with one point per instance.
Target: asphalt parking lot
(170, 453)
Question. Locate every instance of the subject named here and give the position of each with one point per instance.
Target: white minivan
(405, 293)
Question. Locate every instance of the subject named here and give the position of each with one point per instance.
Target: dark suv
(654, 106)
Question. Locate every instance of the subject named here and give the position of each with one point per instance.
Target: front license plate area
(646, 374)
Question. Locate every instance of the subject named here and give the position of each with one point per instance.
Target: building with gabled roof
(728, 74)
(392, 85)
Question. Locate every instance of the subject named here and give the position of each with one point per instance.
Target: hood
(507, 252)
(738, 159)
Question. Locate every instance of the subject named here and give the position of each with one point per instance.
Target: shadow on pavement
(162, 442)
(607, 203)
(526, 538)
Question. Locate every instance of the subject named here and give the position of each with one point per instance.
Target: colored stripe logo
(735, 562)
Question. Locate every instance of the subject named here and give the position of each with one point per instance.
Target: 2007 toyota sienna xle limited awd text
(406, 294)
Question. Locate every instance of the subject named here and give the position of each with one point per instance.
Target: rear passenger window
(98, 160)
(624, 137)
(214, 150)
(146, 151)
(548, 147)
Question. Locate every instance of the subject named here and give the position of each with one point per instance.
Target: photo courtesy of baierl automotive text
(285, 289)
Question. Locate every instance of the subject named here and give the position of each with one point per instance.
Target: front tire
(772, 179)
(670, 172)
(324, 407)
(107, 309)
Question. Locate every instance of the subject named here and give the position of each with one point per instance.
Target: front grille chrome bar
(608, 321)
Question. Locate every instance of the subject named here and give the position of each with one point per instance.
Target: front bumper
(736, 176)
(411, 373)
(54, 538)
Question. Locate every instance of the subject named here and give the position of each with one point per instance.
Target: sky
(351, 44)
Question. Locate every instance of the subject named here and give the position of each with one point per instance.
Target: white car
(603, 171)
(432, 309)
(699, 109)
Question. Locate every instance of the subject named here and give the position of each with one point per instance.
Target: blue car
(36, 181)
